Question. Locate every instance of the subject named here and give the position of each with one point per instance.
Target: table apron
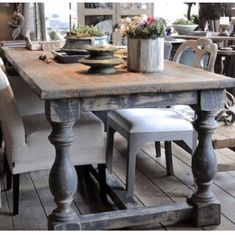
(208, 100)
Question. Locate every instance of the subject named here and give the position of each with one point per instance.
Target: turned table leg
(63, 177)
(204, 167)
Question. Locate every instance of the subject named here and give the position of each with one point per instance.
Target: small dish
(69, 56)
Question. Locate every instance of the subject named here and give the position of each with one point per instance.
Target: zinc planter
(145, 55)
(74, 43)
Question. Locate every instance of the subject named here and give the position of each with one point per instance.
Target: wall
(5, 17)
(170, 10)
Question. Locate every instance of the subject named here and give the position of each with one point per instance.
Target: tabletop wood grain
(55, 80)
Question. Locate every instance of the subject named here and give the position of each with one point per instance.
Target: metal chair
(26, 140)
(139, 126)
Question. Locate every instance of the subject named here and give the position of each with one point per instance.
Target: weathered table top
(56, 81)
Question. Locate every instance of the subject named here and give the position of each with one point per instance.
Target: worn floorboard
(31, 212)
(152, 187)
(5, 218)
(182, 170)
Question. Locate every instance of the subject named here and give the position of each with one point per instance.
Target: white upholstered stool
(157, 125)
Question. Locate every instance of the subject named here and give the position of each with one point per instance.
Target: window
(108, 15)
(60, 18)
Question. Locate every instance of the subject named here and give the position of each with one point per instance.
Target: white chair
(201, 54)
(139, 126)
(3, 68)
(106, 27)
(27, 101)
(26, 139)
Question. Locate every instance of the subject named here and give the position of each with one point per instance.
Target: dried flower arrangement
(145, 27)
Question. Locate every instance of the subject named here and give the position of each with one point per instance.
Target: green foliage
(53, 35)
(184, 21)
(153, 31)
(195, 19)
(85, 31)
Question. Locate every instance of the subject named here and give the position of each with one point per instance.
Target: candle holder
(101, 59)
(233, 23)
(223, 28)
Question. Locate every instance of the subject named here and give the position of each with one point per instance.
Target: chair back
(11, 121)
(201, 53)
(106, 28)
(27, 101)
(2, 66)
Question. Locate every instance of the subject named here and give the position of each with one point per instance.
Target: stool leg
(194, 141)
(1, 139)
(131, 163)
(168, 154)
(102, 182)
(8, 172)
(158, 148)
(5, 163)
(109, 148)
(16, 189)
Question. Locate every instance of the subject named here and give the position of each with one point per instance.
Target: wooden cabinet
(93, 13)
(6, 12)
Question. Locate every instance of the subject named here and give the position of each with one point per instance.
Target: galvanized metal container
(145, 55)
(81, 43)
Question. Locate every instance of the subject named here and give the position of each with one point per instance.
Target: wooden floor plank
(87, 197)
(31, 214)
(145, 191)
(183, 170)
(225, 154)
(174, 192)
(153, 187)
(224, 136)
(149, 193)
(156, 173)
(5, 216)
(226, 183)
(225, 159)
(40, 180)
(80, 204)
(226, 224)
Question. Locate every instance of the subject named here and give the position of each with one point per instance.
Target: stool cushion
(150, 120)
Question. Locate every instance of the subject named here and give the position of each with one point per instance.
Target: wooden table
(68, 90)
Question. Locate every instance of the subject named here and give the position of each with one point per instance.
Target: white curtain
(34, 26)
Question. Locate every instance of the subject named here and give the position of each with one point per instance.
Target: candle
(233, 20)
(224, 20)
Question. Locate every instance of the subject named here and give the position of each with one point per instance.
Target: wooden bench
(224, 137)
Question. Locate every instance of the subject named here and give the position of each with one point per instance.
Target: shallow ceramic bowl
(74, 43)
(184, 29)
